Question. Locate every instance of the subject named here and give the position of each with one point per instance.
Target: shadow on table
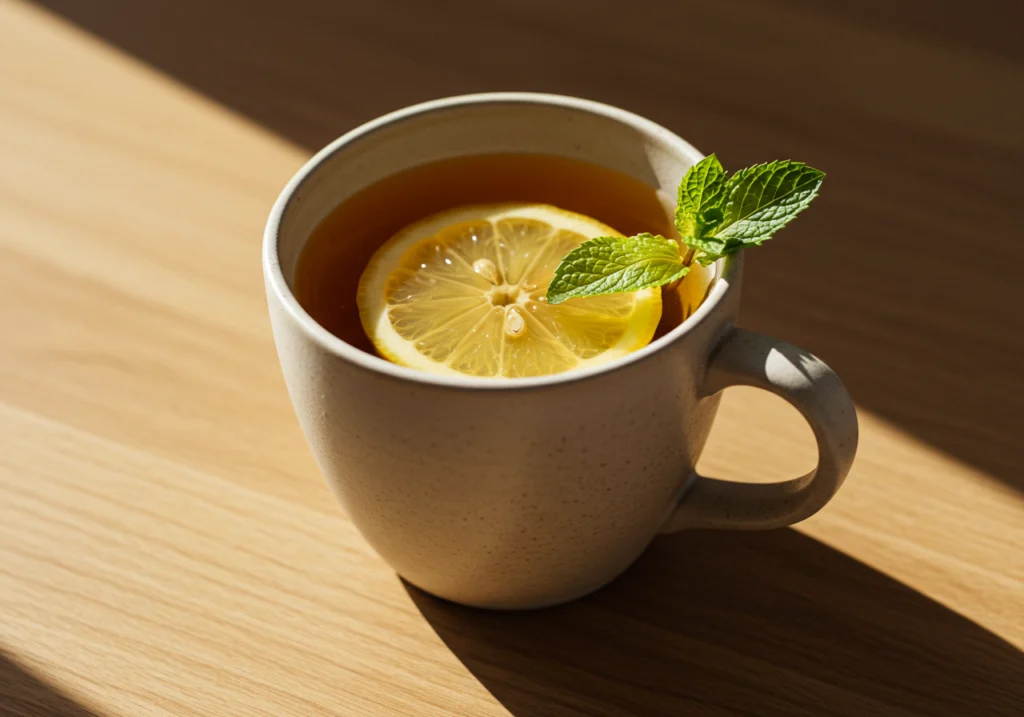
(22, 694)
(772, 624)
(904, 277)
(917, 133)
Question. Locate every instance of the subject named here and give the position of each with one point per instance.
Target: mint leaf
(711, 249)
(707, 258)
(611, 265)
(762, 199)
(702, 197)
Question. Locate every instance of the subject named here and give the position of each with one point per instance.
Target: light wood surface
(166, 544)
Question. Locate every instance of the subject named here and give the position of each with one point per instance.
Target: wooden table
(166, 544)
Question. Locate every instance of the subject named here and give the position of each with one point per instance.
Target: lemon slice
(462, 292)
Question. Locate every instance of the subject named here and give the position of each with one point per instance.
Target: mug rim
(727, 269)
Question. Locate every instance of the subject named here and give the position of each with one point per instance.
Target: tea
(334, 257)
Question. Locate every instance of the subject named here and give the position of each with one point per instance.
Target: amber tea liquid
(339, 248)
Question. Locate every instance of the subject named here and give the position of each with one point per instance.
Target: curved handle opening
(747, 358)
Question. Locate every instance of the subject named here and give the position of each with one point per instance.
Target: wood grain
(166, 544)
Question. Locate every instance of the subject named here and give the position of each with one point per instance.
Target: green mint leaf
(764, 198)
(611, 265)
(708, 246)
(702, 195)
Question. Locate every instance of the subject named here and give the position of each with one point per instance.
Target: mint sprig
(715, 216)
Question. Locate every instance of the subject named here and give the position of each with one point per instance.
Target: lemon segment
(463, 292)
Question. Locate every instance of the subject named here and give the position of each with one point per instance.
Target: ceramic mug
(523, 493)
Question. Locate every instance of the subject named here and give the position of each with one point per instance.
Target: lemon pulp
(462, 292)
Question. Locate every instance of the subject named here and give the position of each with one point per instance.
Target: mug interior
(496, 123)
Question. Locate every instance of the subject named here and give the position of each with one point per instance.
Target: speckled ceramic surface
(531, 492)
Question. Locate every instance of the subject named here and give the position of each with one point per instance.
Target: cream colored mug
(523, 493)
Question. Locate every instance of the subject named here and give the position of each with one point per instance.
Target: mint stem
(687, 260)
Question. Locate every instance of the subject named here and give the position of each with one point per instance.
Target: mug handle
(747, 358)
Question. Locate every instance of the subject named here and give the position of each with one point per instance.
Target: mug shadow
(707, 623)
(23, 694)
(718, 623)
